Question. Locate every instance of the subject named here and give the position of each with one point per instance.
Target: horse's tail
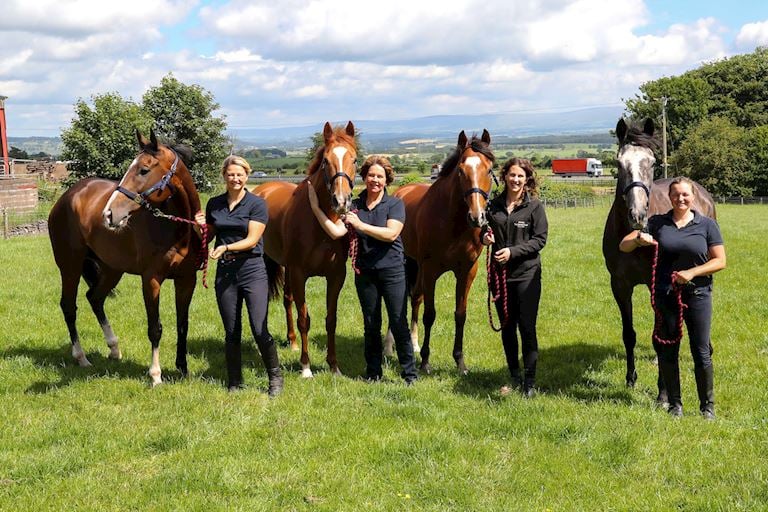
(275, 277)
(411, 271)
(92, 272)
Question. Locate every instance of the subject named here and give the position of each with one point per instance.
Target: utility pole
(664, 132)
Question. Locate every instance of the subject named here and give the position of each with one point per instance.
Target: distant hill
(34, 145)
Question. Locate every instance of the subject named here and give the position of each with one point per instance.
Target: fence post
(5, 223)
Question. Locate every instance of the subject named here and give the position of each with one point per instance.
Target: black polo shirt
(232, 226)
(524, 231)
(373, 254)
(683, 248)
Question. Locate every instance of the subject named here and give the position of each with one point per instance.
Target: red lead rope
(678, 291)
(353, 244)
(497, 287)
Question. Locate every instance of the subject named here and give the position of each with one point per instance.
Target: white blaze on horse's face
(638, 164)
(111, 220)
(474, 170)
(340, 189)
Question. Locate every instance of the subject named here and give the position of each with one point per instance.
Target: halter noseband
(638, 184)
(142, 199)
(329, 181)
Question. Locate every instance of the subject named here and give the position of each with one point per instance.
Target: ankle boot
(670, 371)
(233, 357)
(705, 384)
(268, 351)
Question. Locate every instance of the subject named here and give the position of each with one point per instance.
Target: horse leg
(389, 343)
(335, 282)
(623, 296)
(288, 306)
(428, 281)
(184, 288)
(70, 280)
(96, 296)
(464, 281)
(151, 288)
(298, 283)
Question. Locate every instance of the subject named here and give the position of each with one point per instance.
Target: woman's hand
(218, 252)
(312, 195)
(644, 239)
(352, 219)
(502, 255)
(683, 276)
(200, 218)
(488, 237)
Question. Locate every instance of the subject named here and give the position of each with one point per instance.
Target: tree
(757, 144)
(185, 114)
(20, 154)
(101, 141)
(715, 154)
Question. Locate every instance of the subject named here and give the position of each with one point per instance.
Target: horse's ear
(350, 129)
(152, 140)
(327, 131)
(621, 129)
(486, 136)
(462, 142)
(142, 140)
(649, 127)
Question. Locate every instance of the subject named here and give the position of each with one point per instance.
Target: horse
(100, 230)
(296, 242)
(442, 232)
(637, 198)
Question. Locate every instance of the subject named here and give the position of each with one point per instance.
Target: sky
(282, 63)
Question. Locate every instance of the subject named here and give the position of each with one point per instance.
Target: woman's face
(375, 179)
(515, 179)
(681, 196)
(235, 177)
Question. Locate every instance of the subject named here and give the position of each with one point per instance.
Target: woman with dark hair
(377, 219)
(238, 219)
(518, 231)
(690, 250)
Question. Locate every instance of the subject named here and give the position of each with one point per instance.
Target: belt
(231, 256)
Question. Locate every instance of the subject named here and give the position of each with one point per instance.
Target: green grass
(101, 439)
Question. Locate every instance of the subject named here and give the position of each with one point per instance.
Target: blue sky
(302, 62)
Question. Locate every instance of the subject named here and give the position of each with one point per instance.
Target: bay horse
(637, 198)
(442, 232)
(297, 243)
(100, 230)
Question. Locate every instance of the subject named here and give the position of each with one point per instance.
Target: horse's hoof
(336, 372)
(631, 379)
(115, 354)
(294, 347)
(156, 380)
(306, 373)
(425, 368)
(416, 348)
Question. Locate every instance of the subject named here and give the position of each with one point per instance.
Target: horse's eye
(143, 171)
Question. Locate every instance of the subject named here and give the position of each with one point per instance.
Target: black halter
(142, 199)
(476, 190)
(329, 181)
(638, 184)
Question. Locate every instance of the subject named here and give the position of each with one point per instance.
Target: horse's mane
(338, 133)
(476, 144)
(636, 136)
(184, 151)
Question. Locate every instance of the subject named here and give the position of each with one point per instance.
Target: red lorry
(567, 167)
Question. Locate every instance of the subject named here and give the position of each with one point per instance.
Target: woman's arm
(333, 229)
(200, 221)
(635, 239)
(255, 231)
(716, 263)
(388, 233)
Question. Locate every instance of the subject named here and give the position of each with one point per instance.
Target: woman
(238, 218)
(690, 250)
(377, 219)
(518, 231)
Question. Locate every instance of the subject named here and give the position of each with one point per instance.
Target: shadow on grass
(572, 371)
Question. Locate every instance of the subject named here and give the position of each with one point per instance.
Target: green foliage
(101, 141)
(557, 191)
(413, 177)
(15, 152)
(185, 114)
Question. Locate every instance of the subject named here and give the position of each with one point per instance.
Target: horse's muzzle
(477, 222)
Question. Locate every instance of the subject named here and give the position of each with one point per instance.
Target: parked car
(258, 174)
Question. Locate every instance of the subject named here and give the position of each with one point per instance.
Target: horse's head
(147, 182)
(339, 165)
(636, 161)
(474, 163)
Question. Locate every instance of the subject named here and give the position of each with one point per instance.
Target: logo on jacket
(521, 224)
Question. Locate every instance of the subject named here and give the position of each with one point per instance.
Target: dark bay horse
(295, 240)
(638, 197)
(100, 230)
(442, 233)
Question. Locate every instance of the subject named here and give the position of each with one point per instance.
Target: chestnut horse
(100, 230)
(442, 233)
(637, 198)
(296, 241)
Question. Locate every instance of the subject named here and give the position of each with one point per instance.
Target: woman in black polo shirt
(238, 219)
(377, 219)
(690, 250)
(518, 231)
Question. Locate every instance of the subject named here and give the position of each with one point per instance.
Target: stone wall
(18, 193)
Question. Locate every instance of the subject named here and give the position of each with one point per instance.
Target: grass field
(101, 439)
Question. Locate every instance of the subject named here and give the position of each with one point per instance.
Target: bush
(412, 177)
(555, 191)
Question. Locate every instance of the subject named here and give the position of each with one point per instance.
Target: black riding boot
(670, 371)
(705, 385)
(268, 350)
(233, 357)
(529, 380)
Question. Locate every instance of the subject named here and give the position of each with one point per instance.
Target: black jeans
(698, 320)
(241, 280)
(522, 310)
(389, 284)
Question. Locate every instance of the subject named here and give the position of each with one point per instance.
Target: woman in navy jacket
(518, 231)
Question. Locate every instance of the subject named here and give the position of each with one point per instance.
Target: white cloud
(753, 34)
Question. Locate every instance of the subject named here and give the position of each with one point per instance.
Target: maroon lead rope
(678, 291)
(353, 243)
(496, 277)
(202, 255)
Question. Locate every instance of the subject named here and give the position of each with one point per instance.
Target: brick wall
(18, 193)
